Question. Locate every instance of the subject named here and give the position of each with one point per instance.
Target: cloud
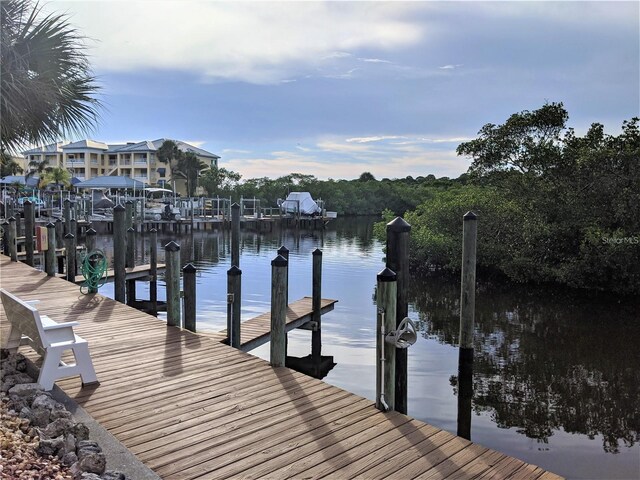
(374, 60)
(373, 139)
(256, 42)
(450, 67)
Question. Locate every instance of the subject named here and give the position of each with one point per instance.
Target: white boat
(299, 202)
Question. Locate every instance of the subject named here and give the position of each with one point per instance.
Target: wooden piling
(172, 280)
(29, 231)
(119, 253)
(69, 242)
(128, 207)
(316, 301)
(91, 247)
(12, 237)
(235, 235)
(467, 314)
(386, 293)
(59, 232)
(153, 270)
(5, 237)
(66, 215)
(278, 311)
(50, 254)
(284, 252)
(74, 231)
(398, 261)
(189, 285)
(234, 305)
(131, 248)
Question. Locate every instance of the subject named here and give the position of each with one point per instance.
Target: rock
(88, 443)
(60, 412)
(69, 445)
(44, 400)
(90, 476)
(69, 459)
(88, 450)
(111, 475)
(26, 390)
(18, 378)
(50, 446)
(92, 463)
(57, 428)
(80, 431)
(37, 418)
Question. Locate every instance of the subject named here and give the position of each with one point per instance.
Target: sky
(334, 89)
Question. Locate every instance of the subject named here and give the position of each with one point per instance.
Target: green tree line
(553, 206)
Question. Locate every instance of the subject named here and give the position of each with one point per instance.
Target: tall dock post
(172, 279)
(316, 301)
(5, 237)
(69, 242)
(29, 230)
(386, 292)
(91, 246)
(235, 235)
(12, 237)
(128, 206)
(130, 262)
(398, 261)
(74, 231)
(467, 314)
(66, 214)
(189, 281)
(234, 305)
(59, 232)
(284, 253)
(278, 311)
(153, 271)
(50, 254)
(119, 253)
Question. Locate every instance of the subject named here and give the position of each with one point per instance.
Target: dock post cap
(118, 208)
(53, 225)
(91, 231)
(235, 205)
(470, 216)
(387, 275)
(130, 202)
(234, 271)
(12, 219)
(58, 219)
(131, 229)
(282, 250)
(153, 230)
(317, 251)
(189, 268)
(279, 261)
(66, 200)
(5, 222)
(28, 202)
(69, 235)
(172, 246)
(398, 225)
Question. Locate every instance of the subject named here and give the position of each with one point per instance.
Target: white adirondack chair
(49, 339)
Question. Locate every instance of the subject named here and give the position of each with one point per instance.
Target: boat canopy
(302, 202)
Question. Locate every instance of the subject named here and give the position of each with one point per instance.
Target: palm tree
(36, 166)
(189, 167)
(8, 166)
(169, 154)
(59, 176)
(47, 85)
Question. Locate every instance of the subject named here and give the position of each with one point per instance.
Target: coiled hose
(94, 269)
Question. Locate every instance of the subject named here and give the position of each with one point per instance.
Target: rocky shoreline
(39, 437)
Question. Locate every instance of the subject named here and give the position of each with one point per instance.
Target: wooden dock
(257, 331)
(191, 407)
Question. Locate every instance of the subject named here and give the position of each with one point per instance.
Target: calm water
(556, 379)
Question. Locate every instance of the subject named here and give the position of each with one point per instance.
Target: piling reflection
(544, 360)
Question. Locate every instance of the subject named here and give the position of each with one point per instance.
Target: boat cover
(307, 205)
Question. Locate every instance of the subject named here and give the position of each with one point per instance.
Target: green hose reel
(94, 268)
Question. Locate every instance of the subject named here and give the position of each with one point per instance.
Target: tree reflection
(544, 359)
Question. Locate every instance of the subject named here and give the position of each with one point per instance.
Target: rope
(94, 269)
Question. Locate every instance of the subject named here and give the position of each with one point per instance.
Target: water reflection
(546, 360)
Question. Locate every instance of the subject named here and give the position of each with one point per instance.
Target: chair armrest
(60, 325)
(33, 303)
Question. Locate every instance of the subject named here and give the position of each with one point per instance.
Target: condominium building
(87, 159)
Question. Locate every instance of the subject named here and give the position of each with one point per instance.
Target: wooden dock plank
(191, 407)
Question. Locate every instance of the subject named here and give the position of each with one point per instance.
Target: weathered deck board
(191, 407)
